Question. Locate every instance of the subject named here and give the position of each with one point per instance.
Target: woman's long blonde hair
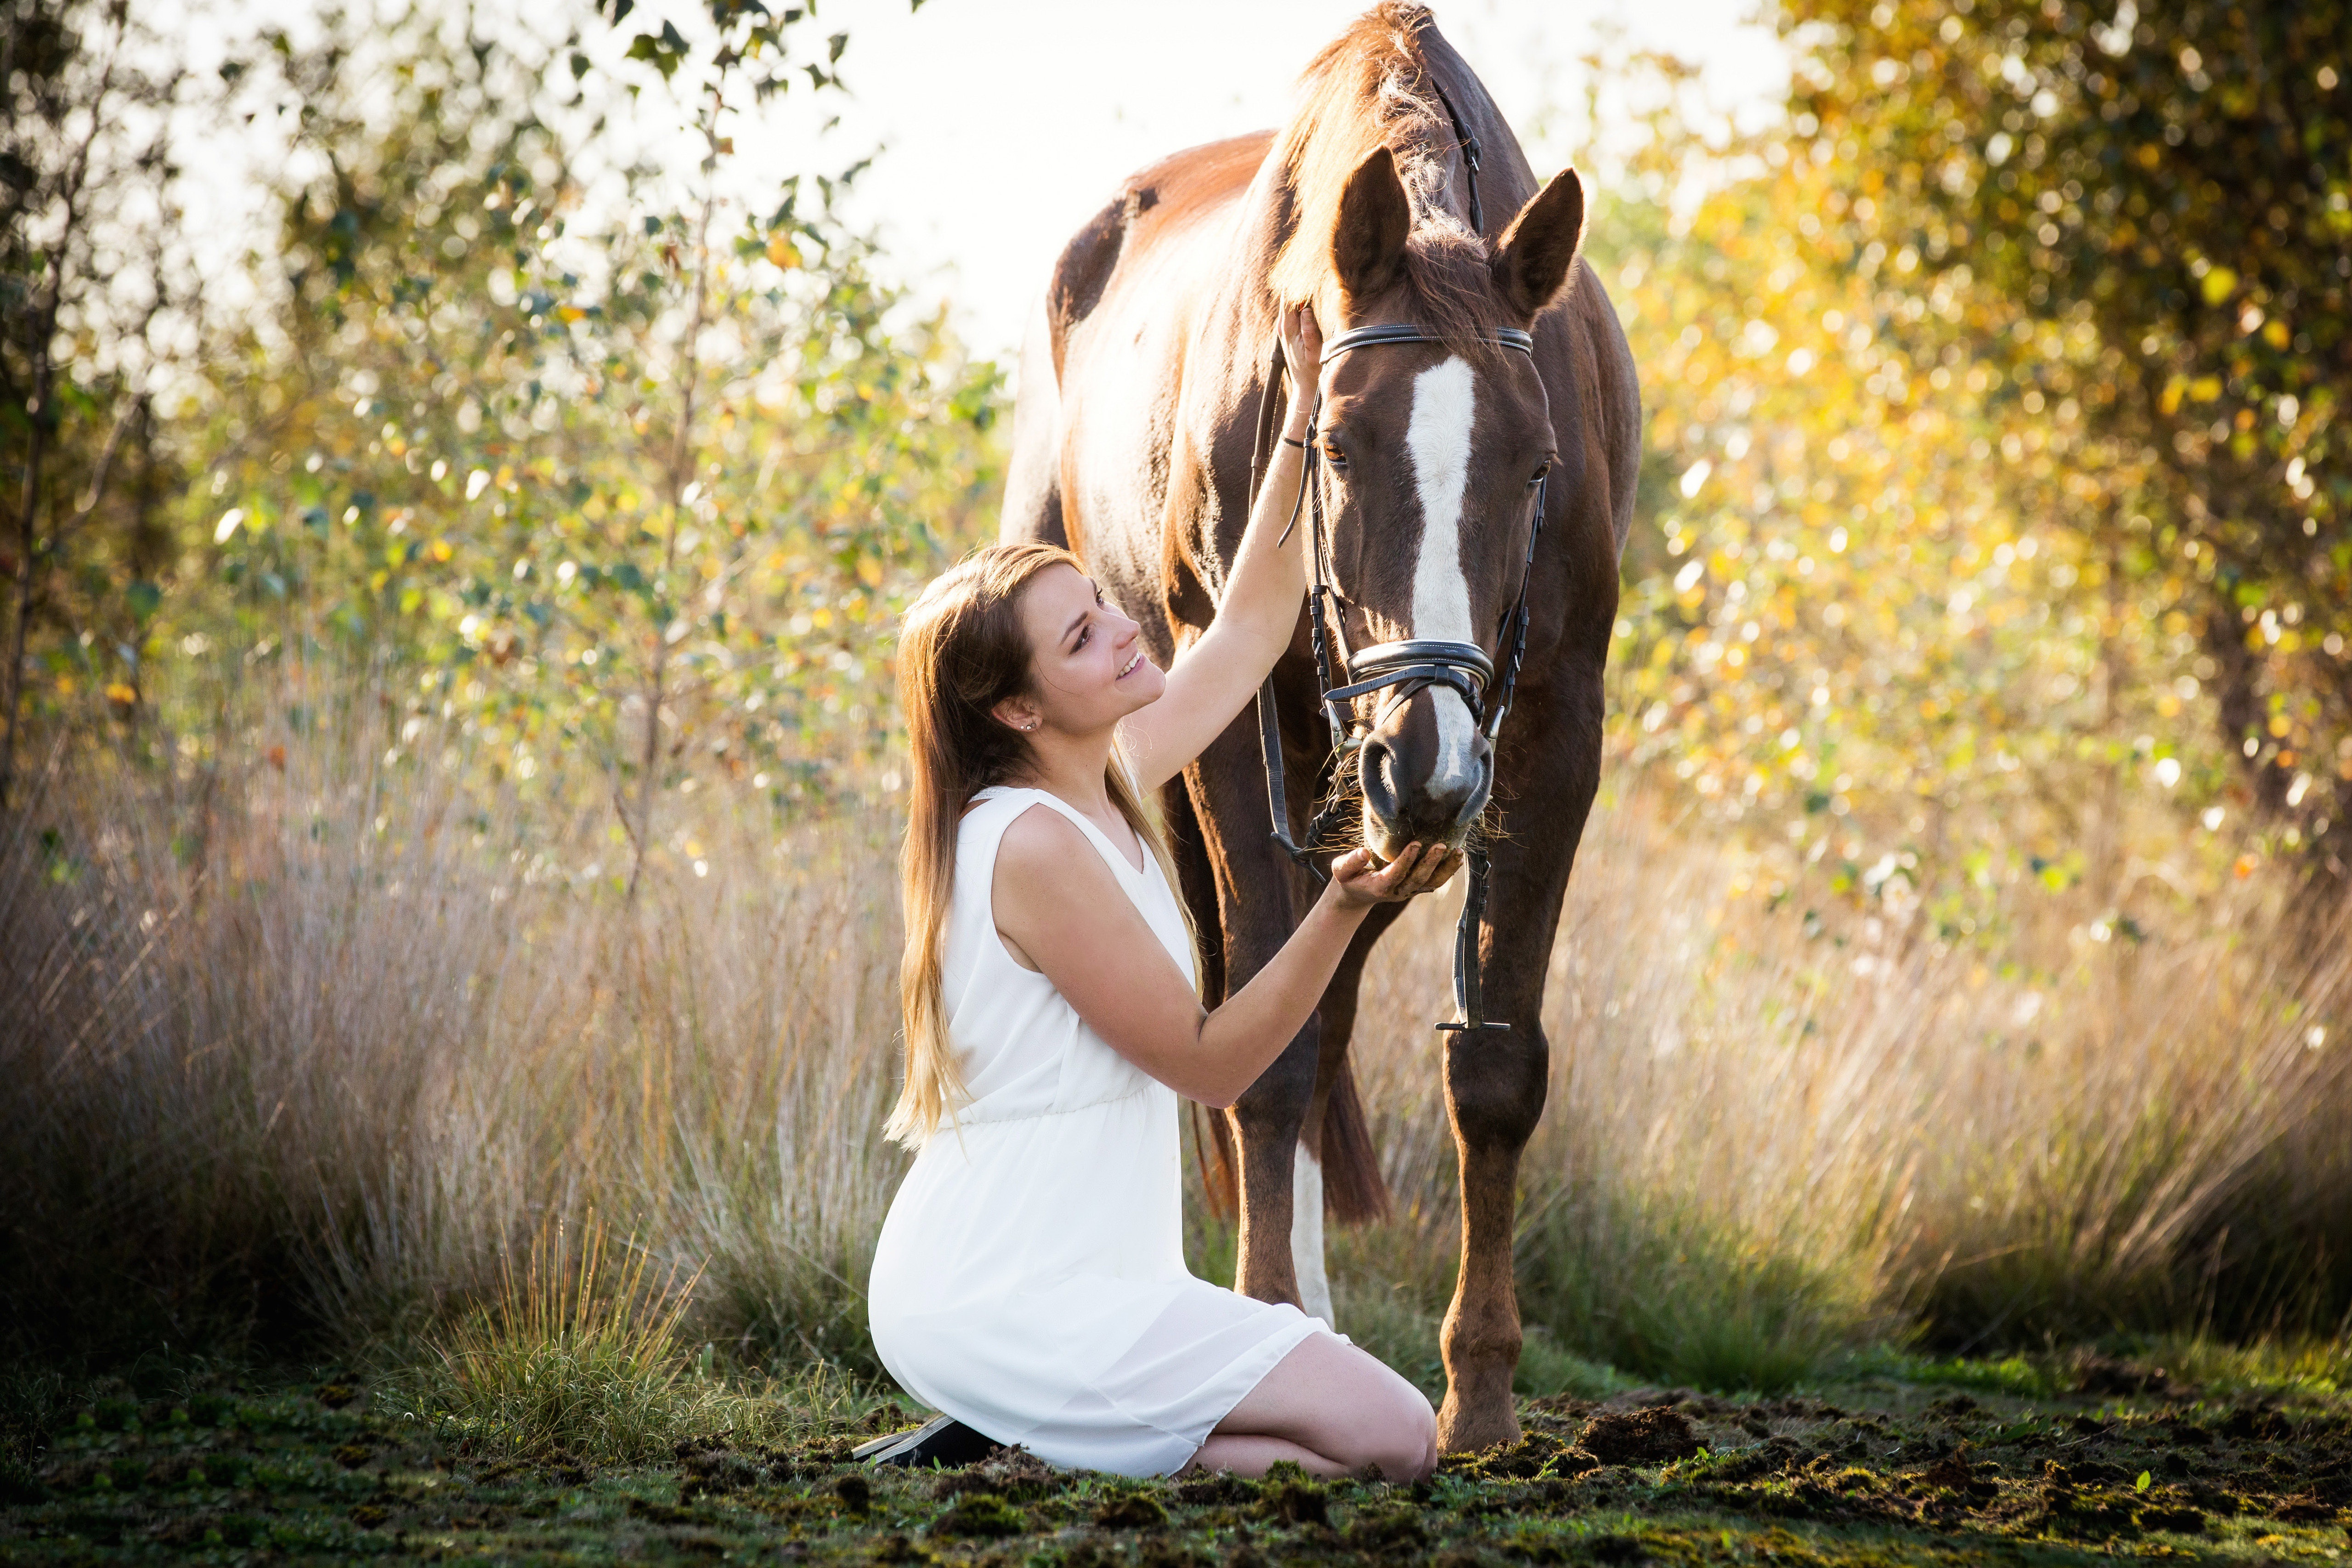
(964, 650)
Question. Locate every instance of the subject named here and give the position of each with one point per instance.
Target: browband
(1407, 333)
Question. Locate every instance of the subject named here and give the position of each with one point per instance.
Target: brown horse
(1133, 440)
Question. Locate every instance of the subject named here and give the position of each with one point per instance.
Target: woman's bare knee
(1388, 1426)
(1337, 1400)
(1404, 1446)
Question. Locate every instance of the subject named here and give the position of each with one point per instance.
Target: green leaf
(666, 53)
(2141, 1485)
(144, 598)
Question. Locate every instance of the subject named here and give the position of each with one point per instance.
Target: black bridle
(1402, 669)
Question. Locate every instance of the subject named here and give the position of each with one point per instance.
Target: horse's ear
(1368, 243)
(1533, 258)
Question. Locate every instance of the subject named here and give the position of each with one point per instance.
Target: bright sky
(1007, 124)
(1003, 124)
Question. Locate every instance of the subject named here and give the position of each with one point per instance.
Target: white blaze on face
(1445, 401)
(1306, 1235)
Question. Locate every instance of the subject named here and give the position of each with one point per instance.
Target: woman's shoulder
(1030, 836)
(1005, 818)
(1021, 824)
(994, 807)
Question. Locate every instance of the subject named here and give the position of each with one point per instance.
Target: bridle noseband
(1403, 669)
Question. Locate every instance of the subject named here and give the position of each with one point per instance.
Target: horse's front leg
(1494, 1081)
(1256, 891)
(1336, 1015)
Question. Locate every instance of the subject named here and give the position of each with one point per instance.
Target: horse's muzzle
(1410, 796)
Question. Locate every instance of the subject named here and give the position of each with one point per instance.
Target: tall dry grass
(326, 1079)
(330, 1070)
(1767, 1143)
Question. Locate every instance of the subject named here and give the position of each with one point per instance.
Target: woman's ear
(1016, 713)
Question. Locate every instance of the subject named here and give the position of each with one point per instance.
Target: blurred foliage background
(1998, 453)
(447, 692)
(1995, 521)
(637, 488)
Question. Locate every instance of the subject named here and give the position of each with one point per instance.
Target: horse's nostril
(1374, 766)
(1474, 802)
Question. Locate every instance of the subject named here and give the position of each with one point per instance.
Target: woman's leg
(1332, 1403)
(1252, 1456)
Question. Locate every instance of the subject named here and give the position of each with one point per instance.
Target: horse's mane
(1374, 86)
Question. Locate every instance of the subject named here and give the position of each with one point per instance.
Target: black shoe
(944, 1441)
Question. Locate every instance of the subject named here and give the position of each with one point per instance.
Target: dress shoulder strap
(1147, 888)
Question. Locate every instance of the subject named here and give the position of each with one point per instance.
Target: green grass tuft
(580, 1355)
(1714, 1310)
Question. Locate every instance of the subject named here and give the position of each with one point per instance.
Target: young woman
(1030, 1279)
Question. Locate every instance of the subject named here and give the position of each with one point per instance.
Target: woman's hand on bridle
(1302, 353)
(1357, 883)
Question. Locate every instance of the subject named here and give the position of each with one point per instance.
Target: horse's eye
(1336, 458)
(1543, 469)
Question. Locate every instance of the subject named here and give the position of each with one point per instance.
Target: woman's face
(1086, 659)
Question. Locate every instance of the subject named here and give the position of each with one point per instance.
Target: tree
(1858, 632)
(87, 273)
(589, 507)
(2171, 195)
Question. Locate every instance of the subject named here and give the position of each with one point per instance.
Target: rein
(1402, 669)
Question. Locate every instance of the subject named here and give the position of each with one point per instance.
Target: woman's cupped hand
(1358, 881)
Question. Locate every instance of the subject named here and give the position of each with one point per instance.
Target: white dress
(1030, 1279)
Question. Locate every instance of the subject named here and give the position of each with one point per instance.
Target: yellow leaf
(2276, 334)
(117, 692)
(782, 252)
(2205, 388)
(2170, 400)
(2219, 284)
(570, 312)
(440, 550)
(869, 570)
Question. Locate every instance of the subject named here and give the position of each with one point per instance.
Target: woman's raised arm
(1211, 681)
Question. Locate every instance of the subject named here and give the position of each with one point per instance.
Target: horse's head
(1431, 456)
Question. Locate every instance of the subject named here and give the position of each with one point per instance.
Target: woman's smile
(1131, 666)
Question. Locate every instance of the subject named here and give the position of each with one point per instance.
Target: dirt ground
(1881, 1472)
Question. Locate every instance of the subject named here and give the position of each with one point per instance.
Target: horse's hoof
(1469, 1431)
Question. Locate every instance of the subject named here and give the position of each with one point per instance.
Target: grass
(578, 1355)
(1867, 1473)
(317, 1076)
